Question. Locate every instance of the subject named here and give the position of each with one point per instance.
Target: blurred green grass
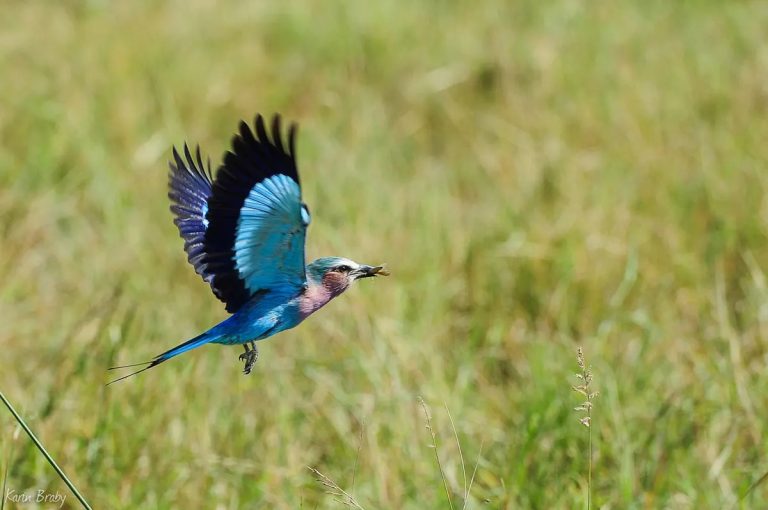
(538, 175)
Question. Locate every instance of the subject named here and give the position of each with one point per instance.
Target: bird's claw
(249, 357)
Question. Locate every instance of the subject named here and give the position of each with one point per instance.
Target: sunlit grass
(536, 175)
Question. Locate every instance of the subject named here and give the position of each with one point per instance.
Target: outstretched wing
(189, 186)
(254, 240)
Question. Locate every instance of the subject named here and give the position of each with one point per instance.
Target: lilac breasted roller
(244, 234)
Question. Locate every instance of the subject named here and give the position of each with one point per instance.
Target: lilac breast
(313, 299)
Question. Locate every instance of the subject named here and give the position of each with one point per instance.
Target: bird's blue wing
(254, 240)
(189, 186)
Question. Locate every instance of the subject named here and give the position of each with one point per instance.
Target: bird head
(337, 273)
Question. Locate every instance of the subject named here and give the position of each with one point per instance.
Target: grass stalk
(437, 455)
(357, 456)
(5, 482)
(472, 479)
(335, 490)
(583, 388)
(45, 453)
(754, 486)
(461, 455)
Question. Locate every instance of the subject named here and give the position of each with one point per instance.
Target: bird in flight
(244, 234)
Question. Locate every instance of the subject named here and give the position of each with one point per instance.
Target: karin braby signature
(38, 496)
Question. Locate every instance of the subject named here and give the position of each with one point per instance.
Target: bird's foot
(250, 356)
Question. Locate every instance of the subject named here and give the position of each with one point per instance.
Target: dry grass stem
(461, 455)
(337, 492)
(474, 472)
(357, 455)
(583, 388)
(437, 455)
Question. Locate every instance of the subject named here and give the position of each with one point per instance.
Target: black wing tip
(188, 155)
(192, 165)
(260, 134)
(293, 128)
(243, 131)
(261, 131)
(176, 163)
(256, 154)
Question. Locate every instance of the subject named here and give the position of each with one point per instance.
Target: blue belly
(257, 320)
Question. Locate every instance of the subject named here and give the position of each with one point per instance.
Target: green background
(537, 175)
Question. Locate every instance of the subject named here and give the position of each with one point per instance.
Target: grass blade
(47, 456)
(461, 455)
(754, 486)
(474, 472)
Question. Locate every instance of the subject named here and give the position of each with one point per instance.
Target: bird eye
(343, 268)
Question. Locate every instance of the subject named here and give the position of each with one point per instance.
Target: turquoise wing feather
(270, 234)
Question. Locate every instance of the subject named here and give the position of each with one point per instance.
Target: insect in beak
(370, 271)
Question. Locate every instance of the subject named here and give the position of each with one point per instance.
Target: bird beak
(369, 271)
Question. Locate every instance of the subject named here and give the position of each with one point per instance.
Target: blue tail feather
(186, 346)
(161, 358)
